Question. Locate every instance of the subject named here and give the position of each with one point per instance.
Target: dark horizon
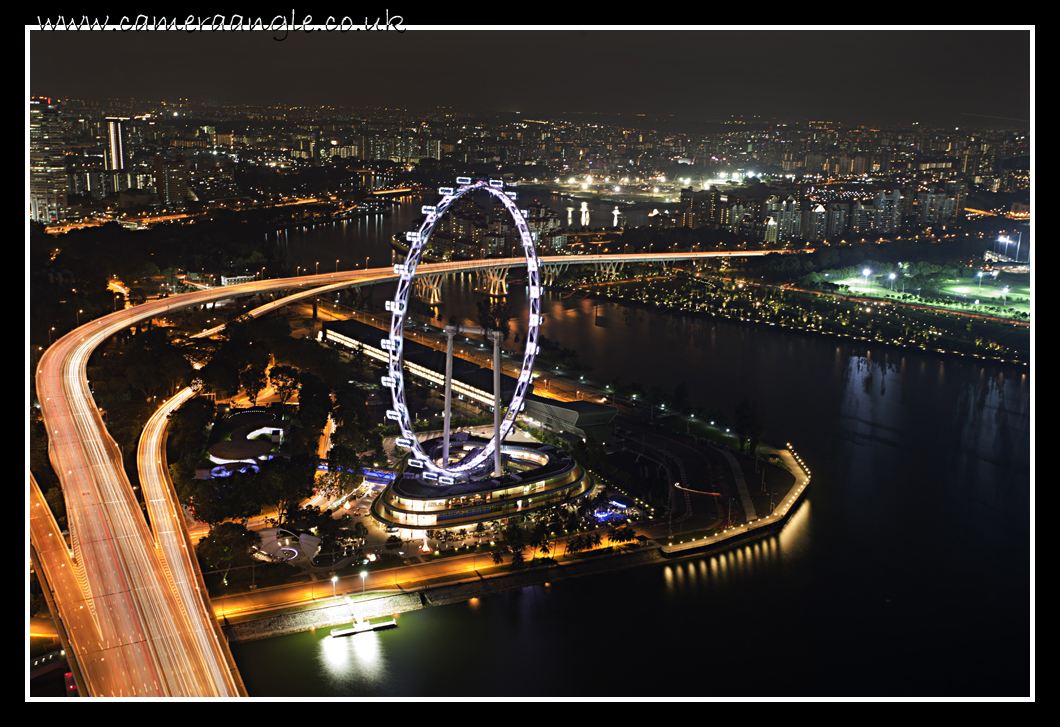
(934, 77)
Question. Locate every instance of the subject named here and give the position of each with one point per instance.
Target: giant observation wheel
(477, 461)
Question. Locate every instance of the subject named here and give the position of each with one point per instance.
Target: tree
(748, 423)
(284, 484)
(188, 426)
(227, 544)
(495, 316)
(284, 380)
(360, 531)
(57, 503)
(226, 498)
(539, 537)
(680, 396)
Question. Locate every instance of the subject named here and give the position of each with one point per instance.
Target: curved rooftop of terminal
(543, 476)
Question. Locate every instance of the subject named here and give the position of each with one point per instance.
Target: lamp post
(980, 274)
(316, 271)
(336, 266)
(866, 272)
(364, 574)
(333, 579)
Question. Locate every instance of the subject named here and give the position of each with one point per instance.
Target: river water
(905, 572)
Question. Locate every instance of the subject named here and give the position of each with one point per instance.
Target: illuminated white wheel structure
(469, 466)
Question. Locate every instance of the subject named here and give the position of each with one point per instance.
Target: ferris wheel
(445, 472)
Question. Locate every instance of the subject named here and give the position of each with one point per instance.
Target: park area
(1004, 295)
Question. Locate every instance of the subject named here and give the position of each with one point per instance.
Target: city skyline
(931, 76)
(739, 242)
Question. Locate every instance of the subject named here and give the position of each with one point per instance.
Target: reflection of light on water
(357, 656)
(744, 560)
(336, 651)
(366, 650)
(796, 529)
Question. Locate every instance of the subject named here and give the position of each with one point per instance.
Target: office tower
(116, 154)
(47, 175)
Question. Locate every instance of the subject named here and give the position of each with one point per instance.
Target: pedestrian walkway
(741, 486)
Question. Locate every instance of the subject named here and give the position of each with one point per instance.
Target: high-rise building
(117, 156)
(888, 210)
(836, 220)
(785, 212)
(47, 175)
(862, 218)
(171, 180)
(815, 222)
(934, 207)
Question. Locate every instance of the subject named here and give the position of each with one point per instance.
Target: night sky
(946, 76)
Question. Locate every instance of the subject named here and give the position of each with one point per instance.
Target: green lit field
(991, 298)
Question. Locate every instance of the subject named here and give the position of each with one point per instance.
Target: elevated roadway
(135, 611)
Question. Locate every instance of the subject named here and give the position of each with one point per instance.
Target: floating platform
(359, 626)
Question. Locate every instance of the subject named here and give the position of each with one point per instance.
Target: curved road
(151, 634)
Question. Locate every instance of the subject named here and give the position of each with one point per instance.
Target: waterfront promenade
(311, 605)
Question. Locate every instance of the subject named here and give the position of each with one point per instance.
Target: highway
(150, 633)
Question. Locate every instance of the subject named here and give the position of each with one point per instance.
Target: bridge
(130, 606)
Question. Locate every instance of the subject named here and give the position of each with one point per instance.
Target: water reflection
(353, 662)
(740, 564)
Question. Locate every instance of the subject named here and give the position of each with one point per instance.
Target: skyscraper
(116, 156)
(47, 167)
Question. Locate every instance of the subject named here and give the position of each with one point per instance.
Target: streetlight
(892, 277)
(317, 270)
(364, 574)
(336, 266)
(980, 274)
(866, 272)
(333, 579)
